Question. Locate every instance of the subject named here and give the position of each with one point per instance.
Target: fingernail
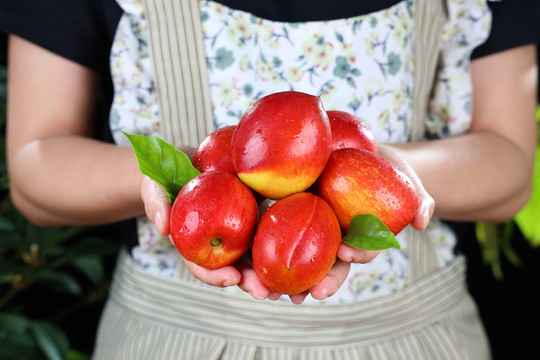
(228, 283)
(158, 220)
(324, 294)
(425, 216)
(258, 297)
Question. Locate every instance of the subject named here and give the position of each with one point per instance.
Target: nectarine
(296, 243)
(213, 219)
(350, 132)
(282, 143)
(214, 152)
(357, 182)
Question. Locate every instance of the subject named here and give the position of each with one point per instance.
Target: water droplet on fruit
(191, 222)
(232, 222)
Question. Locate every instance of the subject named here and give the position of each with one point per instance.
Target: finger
(332, 281)
(222, 277)
(156, 205)
(250, 282)
(425, 210)
(299, 298)
(349, 254)
(273, 296)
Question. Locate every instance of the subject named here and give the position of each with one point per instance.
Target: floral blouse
(362, 64)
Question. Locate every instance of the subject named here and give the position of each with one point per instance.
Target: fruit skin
(350, 132)
(357, 182)
(282, 143)
(214, 152)
(296, 243)
(214, 205)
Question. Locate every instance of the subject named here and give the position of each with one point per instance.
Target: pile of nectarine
(320, 167)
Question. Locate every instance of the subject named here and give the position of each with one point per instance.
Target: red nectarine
(350, 132)
(296, 243)
(282, 143)
(357, 182)
(214, 152)
(213, 219)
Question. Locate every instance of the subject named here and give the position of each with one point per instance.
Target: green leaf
(52, 341)
(76, 355)
(16, 342)
(13, 323)
(6, 225)
(19, 348)
(91, 266)
(163, 163)
(58, 281)
(367, 232)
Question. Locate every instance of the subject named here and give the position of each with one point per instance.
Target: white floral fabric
(362, 64)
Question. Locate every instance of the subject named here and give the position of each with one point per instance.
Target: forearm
(479, 176)
(69, 180)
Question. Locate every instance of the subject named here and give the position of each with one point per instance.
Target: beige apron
(149, 317)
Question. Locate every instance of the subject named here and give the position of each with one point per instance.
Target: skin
(462, 174)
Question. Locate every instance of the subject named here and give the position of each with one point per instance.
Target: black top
(83, 30)
(308, 10)
(515, 23)
(80, 30)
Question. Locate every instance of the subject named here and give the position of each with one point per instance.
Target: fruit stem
(215, 242)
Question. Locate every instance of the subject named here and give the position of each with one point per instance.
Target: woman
(476, 166)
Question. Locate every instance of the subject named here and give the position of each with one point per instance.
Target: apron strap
(429, 17)
(180, 74)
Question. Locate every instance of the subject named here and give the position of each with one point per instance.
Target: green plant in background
(47, 276)
(36, 264)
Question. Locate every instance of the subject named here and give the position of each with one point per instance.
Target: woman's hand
(347, 254)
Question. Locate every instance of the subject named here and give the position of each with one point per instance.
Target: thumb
(156, 205)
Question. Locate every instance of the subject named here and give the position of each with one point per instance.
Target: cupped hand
(426, 203)
(325, 288)
(158, 208)
(426, 206)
